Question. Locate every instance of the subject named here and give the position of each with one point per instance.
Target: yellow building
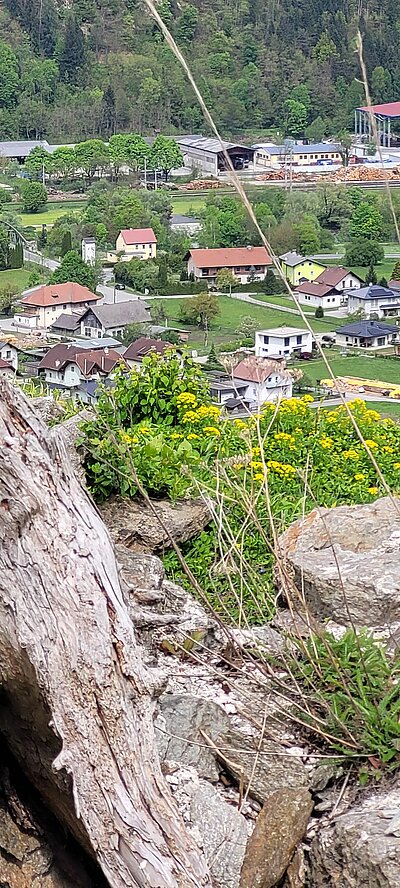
(136, 243)
(298, 268)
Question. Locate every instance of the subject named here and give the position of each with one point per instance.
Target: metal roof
(212, 146)
(22, 148)
(292, 258)
(389, 109)
(317, 148)
(373, 292)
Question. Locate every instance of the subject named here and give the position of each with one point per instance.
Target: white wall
(273, 389)
(371, 306)
(281, 345)
(10, 354)
(377, 342)
(332, 301)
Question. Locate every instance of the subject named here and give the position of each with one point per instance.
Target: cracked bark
(76, 707)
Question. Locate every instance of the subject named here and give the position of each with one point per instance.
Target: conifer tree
(73, 51)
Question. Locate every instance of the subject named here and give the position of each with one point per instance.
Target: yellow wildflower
(175, 436)
(359, 476)
(259, 476)
(373, 491)
(387, 449)
(350, 454)
(255, 451)
(192, 436)
(371, 444)
(144, 430)
(307, 399)
(190, 416)
(396, 466)
(326, 442)
(237, 467)
(240, 424)
(211, 430)
(256, 465)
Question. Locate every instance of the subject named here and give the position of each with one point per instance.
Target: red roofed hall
(244, 262)
(136, 243)
(40, 307)
(384, 114)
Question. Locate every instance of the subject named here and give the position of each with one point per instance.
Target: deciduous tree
(73, 268)
(34, 196)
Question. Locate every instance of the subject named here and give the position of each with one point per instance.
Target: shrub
(34, 196)
(364, 252)
(319, 311)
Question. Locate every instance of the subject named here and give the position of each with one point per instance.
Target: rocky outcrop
(135, 525)
(361, 848)
(67, 433)
(180, 726)
(279, 829)
(262, 769)
(222, 833)
(345, 561)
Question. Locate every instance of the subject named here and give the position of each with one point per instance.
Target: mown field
(365, 367)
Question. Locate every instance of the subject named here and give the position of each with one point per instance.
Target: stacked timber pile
(365, 174)
(200, 185)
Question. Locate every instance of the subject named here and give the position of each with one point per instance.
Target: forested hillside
(70, 71)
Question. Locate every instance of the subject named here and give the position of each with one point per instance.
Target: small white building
(9, 354)
(374, 301)
(89, 250)
(265, 380)
(318, 295)
(367, 334)
(282, 342)
(299, 155)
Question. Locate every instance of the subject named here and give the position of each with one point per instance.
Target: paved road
(38, 259)
(391, 254)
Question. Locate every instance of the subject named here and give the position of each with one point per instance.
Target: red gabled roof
(227, 257)
(4, 364)
(134, 236)
(314, 289)
(389, 109)
(86, 359)
(143, 346)
(59, 294)
(254, 369)
(333, 275)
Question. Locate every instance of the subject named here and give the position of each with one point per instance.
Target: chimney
(106, 350)
(102, 362)
(249, 247)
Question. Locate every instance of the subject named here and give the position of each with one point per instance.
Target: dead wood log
(76, 704)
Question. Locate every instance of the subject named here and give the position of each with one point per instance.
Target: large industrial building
(206, 154)
(384, 116)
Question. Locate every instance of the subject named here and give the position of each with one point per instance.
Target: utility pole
(145, 172)
(43, 176)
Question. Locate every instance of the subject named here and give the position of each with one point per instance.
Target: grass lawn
(188, 204)
(366, 367)
(17, 278)
(284, 301)
(232, 312)
(52, 212)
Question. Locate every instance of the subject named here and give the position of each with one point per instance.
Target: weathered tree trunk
(76, 706)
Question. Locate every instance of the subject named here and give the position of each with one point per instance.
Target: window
(286, 340)
(53, 307)
(8, 353)
(144, 246)
(299, 340)
(266, 340)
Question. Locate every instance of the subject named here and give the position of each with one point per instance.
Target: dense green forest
(94, 67)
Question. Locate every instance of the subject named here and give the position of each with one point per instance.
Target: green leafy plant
(353, 690)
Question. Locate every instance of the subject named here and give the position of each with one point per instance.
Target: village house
(265, 380)
(298, 268)
(111, 320)
(136, 243)
(143, 347)
(282, 342)
(67, 366)
(40, 307)
(6, 369)
(367, 334)
(374, 302)
(318, 295)
(228, 393)
(340, 278)
(9, 354)
(246, 263)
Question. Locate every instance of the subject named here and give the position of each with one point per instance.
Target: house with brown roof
(67, 366)
(245, 263)
(40, 307)
(315, 294)
(340, 278)
(143, 347)
(266, 379)
(136, 243)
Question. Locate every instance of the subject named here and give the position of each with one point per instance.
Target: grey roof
(99, 342)
(212, 146)
(22, 148)
(178, 219)
(317, 148)
(367, 329)
(374, 291)
(4, 342)
(292, 258)
(67, 322)
(132, 311)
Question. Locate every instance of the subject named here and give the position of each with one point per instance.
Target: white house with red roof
(244, 262)
(329, 289)
(265, 380)
(40, 307)
(136, 243)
